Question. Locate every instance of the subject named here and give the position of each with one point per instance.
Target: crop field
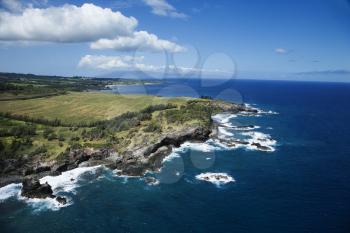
(76, 107)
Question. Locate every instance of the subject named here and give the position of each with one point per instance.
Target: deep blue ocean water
(303, 186)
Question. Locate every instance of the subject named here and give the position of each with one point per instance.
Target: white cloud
(137, 63)
(107, 29)
(67, 23)
(140, 40)
(108, 62)
(163, 8)
(281, 50)
(12, 5)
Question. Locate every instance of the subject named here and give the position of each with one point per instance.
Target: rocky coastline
(133, 162)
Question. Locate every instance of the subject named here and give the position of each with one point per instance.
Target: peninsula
(53, 124)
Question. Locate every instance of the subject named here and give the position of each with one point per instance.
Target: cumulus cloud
(137, 63)
(107, 29)
(163, 8)
(140, 40)
(12, 5)
(68, 23)
(281, 50)
(109, 62)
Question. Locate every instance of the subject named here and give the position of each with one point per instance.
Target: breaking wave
(66, 183)
(259, 111)
(215, 178)
(8, 191)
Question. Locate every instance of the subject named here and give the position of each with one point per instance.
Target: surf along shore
(131, 134)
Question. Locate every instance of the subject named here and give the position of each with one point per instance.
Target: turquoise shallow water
(303, 186)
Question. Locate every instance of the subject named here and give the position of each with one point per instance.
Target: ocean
(301, 184)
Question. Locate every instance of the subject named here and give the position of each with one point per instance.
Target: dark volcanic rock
(13, 166)
(176, 139)
(33, 189)
(136, 163)
(60, 167)
(40, 168)
(61, 200)
(261, 147)
(151, 180)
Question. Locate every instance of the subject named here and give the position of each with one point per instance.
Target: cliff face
(150, 158)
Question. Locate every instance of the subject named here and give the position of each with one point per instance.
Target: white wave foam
(256, 141)
(68, 181)
(215, 178)
(8, 191)
(171, 156)
(246, 128)
(260, 111)
(223, 119)
(45, 204)
(207, 147)
(224, 132)
(264, 140)
(14, 190)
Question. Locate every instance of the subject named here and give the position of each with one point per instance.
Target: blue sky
(270, 39)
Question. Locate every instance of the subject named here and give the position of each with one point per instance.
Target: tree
(2, 146)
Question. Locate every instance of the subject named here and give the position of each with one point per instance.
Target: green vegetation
(48, 127)
(28, 86)
(79, 107)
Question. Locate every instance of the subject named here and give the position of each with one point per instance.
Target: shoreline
(138, 164)
(128, 164)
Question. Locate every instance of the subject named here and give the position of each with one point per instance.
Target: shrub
(39, 150)
(15, 145)
(153, 127)
(61, 138)
(23, 130)
(47, 132)
(52, 136)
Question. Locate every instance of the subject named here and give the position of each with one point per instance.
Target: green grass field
(78, 107)
(20, 137)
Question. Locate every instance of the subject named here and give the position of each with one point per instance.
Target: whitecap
(223, 119)
(246, 128)
(45, 204)
(8, 191)
(68, 181)
(224, 132)
(170, 157)
(14, 190)
(206, 147)
(215, 178)
(264, 140)
(259, 111)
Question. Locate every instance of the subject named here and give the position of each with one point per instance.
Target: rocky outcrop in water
(31, 188)
(16, 170)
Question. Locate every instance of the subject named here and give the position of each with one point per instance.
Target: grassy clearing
(78, 107)
(120, 130)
